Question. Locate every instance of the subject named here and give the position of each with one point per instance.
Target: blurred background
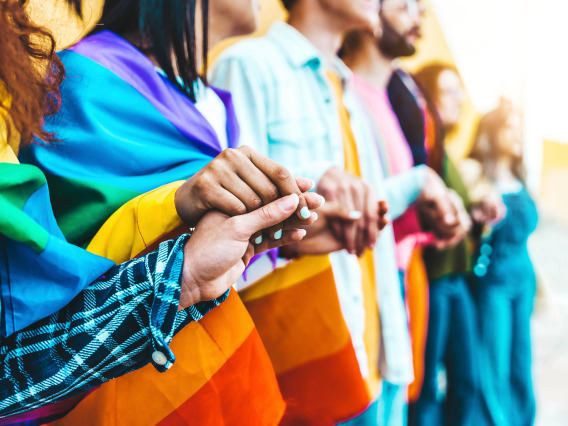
(502, 48)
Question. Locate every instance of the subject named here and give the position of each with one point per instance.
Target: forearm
(404, 189)
(118, 324)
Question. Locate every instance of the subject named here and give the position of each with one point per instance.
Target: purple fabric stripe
(47, 413)
(128, 63)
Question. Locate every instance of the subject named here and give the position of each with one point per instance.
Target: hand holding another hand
(219, 250)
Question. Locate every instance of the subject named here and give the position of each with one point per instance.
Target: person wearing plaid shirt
(116, 325)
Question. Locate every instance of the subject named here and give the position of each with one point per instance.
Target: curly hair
(30, 72)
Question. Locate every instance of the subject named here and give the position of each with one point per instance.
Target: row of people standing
(334, 325)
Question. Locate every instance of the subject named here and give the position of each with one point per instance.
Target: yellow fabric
(7, 154)
(372, 329)
(137, 224)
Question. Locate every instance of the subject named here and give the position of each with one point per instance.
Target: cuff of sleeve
(402, 190)
(167, 290)
(166, 321)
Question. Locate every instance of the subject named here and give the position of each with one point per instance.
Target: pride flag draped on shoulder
(126, 130)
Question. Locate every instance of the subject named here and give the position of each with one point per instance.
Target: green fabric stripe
(81, 207)
(17, 183)
(457, 259)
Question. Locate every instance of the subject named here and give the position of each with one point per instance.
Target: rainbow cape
(126, 130)
(40, 272)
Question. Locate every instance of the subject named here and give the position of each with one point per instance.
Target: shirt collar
(301, 52)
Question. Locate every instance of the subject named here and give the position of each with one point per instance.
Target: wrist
(183, 205)
(190, 292)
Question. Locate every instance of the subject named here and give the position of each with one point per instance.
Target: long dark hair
(485, 147)
(166, 29)
(30, 72)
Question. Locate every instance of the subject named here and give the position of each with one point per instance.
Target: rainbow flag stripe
(125, 130)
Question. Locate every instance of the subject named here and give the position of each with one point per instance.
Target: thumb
(268, 215)
(336, 210)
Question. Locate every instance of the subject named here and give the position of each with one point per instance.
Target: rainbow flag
(29, 235)
(125, 130)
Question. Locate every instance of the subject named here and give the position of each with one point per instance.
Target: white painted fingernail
(355, 214)
(302, 233)
(258, 240)
(315, 215)
(278, 234)
(305, 213)
(313, 185)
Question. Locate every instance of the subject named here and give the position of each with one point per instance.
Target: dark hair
(427, 81)
(351, 44)
(485, 145)
(166, 29)
(288, 4)
(30, 72)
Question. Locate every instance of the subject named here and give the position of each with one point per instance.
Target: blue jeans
(504, 318)
(451, 384)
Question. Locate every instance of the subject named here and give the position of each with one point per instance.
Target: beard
(392, 44)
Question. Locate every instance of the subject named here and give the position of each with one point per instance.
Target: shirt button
(159, 358)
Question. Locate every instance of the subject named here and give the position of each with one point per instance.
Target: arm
(118, 324)
(404, 189)
(128, 317)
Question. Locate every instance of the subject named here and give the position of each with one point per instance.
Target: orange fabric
(300, 323)
(243, 369)
(417, 301)
(204, 351)
(302, 327)
(372, 328)
(342, 396)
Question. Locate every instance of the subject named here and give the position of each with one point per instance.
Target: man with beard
(450, 384)
(371, 56)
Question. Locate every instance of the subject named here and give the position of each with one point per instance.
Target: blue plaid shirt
(118, 324)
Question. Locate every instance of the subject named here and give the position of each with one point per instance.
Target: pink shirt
(407, 229)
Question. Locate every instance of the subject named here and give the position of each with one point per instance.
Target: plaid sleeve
(120, 323)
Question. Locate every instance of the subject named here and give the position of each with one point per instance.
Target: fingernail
(289, 203)
(322, 200)
(278, 234)
(313, 185)
(355, 214)
(305, 213)
(315, 215)
(302, 233)
(258, 240)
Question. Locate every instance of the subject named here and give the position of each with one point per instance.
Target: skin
(224, 248)
(449, 98)
(439, 209)
(405, 17)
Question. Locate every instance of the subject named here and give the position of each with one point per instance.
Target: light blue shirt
(287, 110)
